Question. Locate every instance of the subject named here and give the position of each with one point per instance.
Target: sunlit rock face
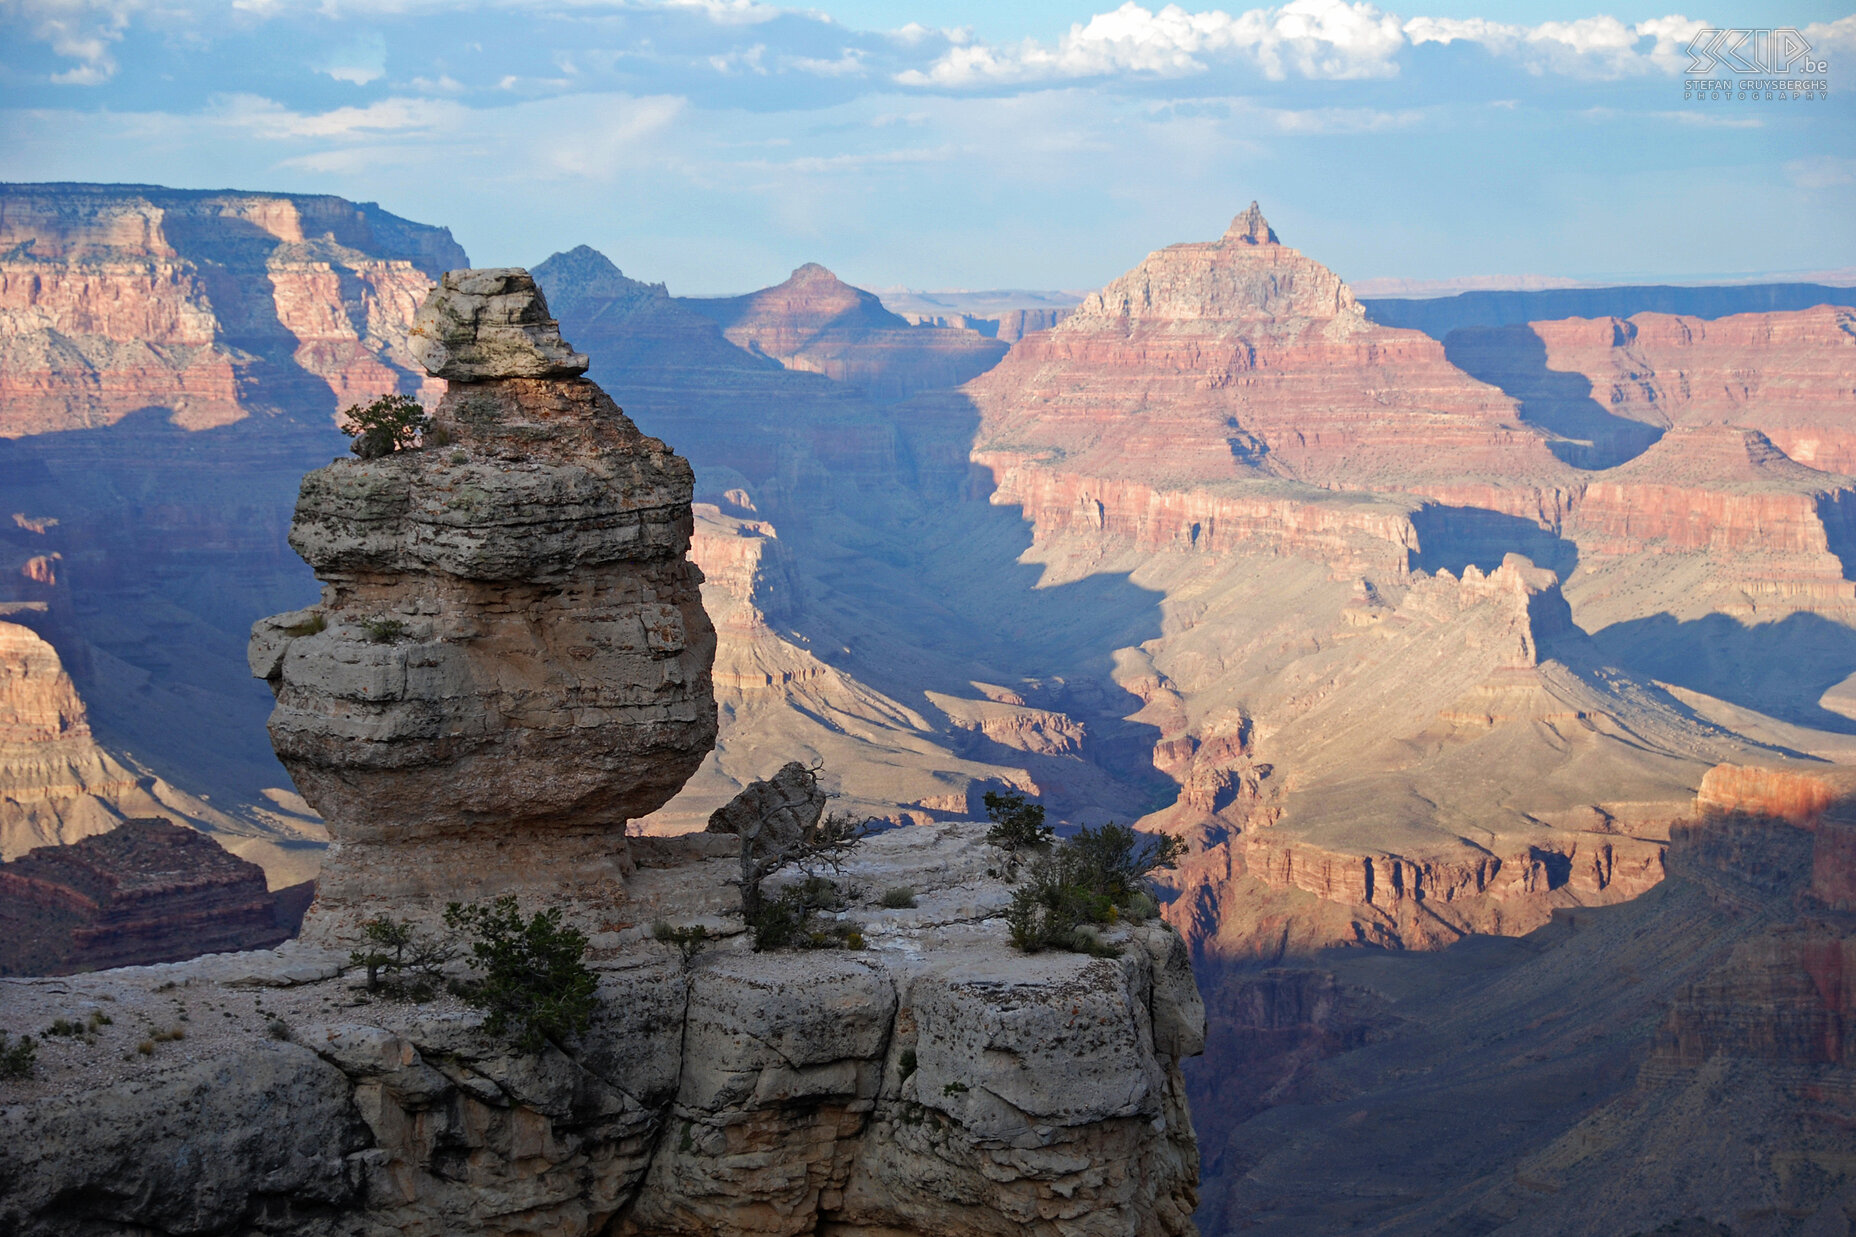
(511, 658)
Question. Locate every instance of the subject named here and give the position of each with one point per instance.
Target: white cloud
(80, 30)
(1591, 47)
(1331, 39)
(1317, 38)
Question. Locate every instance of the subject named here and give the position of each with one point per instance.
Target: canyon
(1427, 640)
(548, 683)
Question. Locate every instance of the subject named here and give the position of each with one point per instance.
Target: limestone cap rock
(491, 323)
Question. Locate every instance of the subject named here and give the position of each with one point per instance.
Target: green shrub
(383, 630)
(1017, 826)
(391, 423)
(899, 898)
(688, 941)
(533, 979)
(790, 921)
(402, 960)
(1097, 877)
(18, 1059)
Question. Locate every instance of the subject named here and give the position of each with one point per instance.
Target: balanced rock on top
(492, 323)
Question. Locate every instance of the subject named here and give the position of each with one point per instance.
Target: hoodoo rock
(511, 658)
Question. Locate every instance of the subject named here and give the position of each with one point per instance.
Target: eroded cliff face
(1241, 359)
(171, 362)
(119, 298)
(60, 785)
(1681, 1058)
(511, 658)
(145, 891)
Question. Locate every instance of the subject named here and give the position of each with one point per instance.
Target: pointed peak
(1251, 228)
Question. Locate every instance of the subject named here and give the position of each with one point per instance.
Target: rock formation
(511, 658)
(147, 891)
(814, 321)
(171, 362)
(1212, 364)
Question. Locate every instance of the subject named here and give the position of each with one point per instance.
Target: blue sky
(717, 144)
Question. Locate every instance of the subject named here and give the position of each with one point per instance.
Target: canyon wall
(1681, 1061)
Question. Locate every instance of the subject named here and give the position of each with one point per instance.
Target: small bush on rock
(391, 423)
(790, 921)
(401, 959)
(534, 982)
(900, 898)
(1017, 826)
(1097, 877)
(688, 942)
(19, 1058)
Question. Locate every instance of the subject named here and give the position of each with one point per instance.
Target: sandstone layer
(511, 658)
(936, 1082)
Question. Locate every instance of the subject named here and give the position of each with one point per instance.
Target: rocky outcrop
(490, 324)
(816, 322)
(511, 658)
(147, 891)
(934, 1082)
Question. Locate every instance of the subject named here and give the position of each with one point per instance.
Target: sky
(717, 144)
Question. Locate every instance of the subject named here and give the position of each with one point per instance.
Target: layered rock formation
(171, 362)
(119, 298)
(147, 891)
(511, 658)
(816, 322)
(1210, 364)
(935, 1082)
